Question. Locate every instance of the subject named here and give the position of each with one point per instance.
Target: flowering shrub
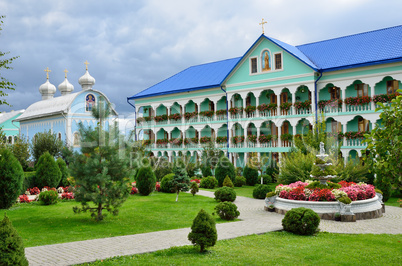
(358, 100)
(264, 138)
(60, 190)
(133, 191)
(33, 191)
(195, 180)
(157, 186)
(221, 112)
(285, 106)
(24, 199)
(67, 195)
(235, 110)
(207, 113)
(302, 105)
(222, 139)
(252, 138)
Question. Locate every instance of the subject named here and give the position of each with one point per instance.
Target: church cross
(262, 25)
(65, 73)
(86, 64)
(47, 70)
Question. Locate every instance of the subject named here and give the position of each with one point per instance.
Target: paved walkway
(254, 220)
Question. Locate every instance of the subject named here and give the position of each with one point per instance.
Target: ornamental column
(279, 136)
(278, 102)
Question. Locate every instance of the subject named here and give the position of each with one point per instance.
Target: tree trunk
(99, 211)
(177, 196)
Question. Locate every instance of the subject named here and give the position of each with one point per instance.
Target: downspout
(227, 122)
(315, 97)
(135, 119)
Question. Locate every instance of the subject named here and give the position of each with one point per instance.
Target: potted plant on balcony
(252, 138)
(177, 141)
(140, 119)
(238, 139)
(194, 140)
(222, 139)
(160, 118)
(148, 118)
(235, 110)
(207, 113)
(189, 115)
(362, 100)
(162, 141)
(205, 139)
(286, 137)
(285, 106)
(221, 112)
(146, 142)
(264, 138)
(250, 109)
(175, 117)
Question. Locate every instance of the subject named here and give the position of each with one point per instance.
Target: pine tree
(203, 231)
(12, 250)
(47, 171)
(11, 178)
(180, 181)
(194, 188)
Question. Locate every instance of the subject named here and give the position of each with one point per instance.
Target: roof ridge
(342, 37)
(227, 59)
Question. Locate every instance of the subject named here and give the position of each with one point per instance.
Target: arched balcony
(357, 97)
(237, 133)
(268, 135)
(236, 107)
(221, 113)
(207, 110)
(190, 112)
(268, 104)
(222, 138)
(191, 138)
(330, 99)
(162, 138)
(251, 135)
(302, 104)
(251, 107)
(285, 102)
(355, 129)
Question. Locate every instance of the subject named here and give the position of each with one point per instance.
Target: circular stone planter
(363, 209)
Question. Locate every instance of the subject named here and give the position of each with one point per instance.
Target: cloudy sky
(131, 45)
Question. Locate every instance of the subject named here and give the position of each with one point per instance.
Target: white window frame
(251, 66)
(274, 61)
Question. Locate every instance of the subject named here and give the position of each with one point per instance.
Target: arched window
(89, 102)
(266, 60)
(76, 139)
(59, 136)
(10, 139)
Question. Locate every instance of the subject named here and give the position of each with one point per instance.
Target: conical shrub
(11, 178)
(146, 181)
(47, 171)
(203, 231)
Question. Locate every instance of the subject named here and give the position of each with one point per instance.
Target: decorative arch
(266, 60)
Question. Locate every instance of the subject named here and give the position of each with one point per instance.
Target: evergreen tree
(194, 188)
(45, 142)
(64, 172)
(20, 150)
(12, 250)
(11, 178)
(180, 181)
(203, 231)
(146, 180)
(224, 168)
(47, 171)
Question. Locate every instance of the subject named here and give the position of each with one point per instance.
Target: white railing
(303, 111)
(267, 113)
(357, 108)
(355, 142)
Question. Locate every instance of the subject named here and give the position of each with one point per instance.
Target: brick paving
(254, 220)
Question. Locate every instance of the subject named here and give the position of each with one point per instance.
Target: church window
(362, 90)
(266, 60)
(278, 61)
(89, 102)
(76, 139)
(392, 86)
(253, 63)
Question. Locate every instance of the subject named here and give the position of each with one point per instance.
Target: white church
(62, 115)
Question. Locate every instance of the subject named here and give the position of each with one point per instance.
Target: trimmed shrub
(227, 210)
(11, 178)
(206, 171)
(225, 194)
(48, 197)
(260, 191)
(224, 168)
(64, 172)
(47, 171)
(240, 181)
(228, 182)
(301, 221)
(146, 181)
(270, 194)
(345, 200)
(266, 179)
(166, 185)
(194, 188)
(209, 182)
(203, 231)
(251, 175)
(12, 250)
(317, 184)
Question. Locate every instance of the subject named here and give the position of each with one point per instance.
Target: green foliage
(227, 210)
(180, 181)
(11, 178)
(206, 171)
(20, 150)
(209, 182)
(345, 200)
(240, 181)
(301, 221)
(210, 156)
(266, 179)
(194, 188)
(224, 168)
(48, 197)
(191, 168)
(162, 168)
(146, 180)
(166, 184)
(353, 171)
(45, 142)
(47, 171)
(64, 172)
(296, 166)
(251, 175)
(228, 182)
(260, 191)
(270, 194)
(317, 184)
(29, 181)
(239, 171)
(385, 186)
(385, 144)
(12, 250)
(203, 231)
(225, 194)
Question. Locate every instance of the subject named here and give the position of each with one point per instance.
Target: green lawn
(393, 202)
(280, 248)
(245, 191)
(42, 225)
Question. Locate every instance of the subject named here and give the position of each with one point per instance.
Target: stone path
(254, 220)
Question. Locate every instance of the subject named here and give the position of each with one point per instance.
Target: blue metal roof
(368, 48)
(193, 78)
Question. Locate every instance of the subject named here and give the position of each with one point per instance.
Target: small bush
(209, 182)
(225, 194)
(11, 178)
(301, 221)
(47, 171)
(266, 179)
(224, 168)
(251, 175)
(228, 182)
(48, 197)
(260, 191)
(270, 194)
(272, 171)
(240, 181)
(386, 189)
(12, 250)
(345, 200)
(227, 210)
(166, 184)
(146, 181)
(317, 184)
(203, 231)
(194, 188)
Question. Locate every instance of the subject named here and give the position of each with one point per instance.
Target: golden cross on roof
(65, 73)
(86, 64)
(47, 70)
(262, 25)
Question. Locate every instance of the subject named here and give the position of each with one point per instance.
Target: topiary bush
(48, 197)
(12, 250)
(224, 168)
(209, 182)
(260, 191)
(317, 184)
(270, 194)
(227, 210)
(194, 188)
(47, 171)
(146, 181)
(228, 182)
(203, 231)
(225, 194)
(345, 200)
(251, 175)
(240, 181)
(301, 221)
(11, 178)
(166, 185)
(64, 172)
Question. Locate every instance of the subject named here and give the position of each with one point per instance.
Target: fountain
(322, 169)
